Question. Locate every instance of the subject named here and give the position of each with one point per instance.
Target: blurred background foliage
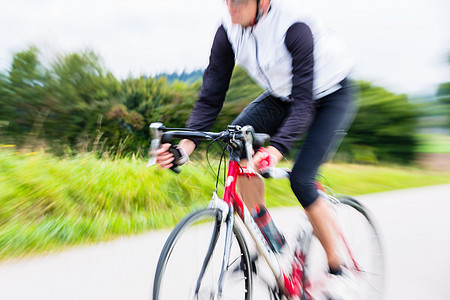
(74, 104)
(57, 118)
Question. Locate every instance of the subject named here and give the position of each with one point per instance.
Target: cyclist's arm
(299, 42)
(188, 146)
(216, 81)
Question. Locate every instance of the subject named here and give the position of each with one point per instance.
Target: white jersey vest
(263, 53)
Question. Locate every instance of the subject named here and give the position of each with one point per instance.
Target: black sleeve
(216, 81)
(299, 42)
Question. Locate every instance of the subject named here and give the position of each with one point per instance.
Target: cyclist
(304, 67)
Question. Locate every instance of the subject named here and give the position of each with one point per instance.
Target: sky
(402, 45)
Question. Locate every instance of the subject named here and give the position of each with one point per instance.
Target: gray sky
(399, 44)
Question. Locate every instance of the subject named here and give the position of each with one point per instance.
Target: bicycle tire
(373, 270)
(363, 240)
(193, 230)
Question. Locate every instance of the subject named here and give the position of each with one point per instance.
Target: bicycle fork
(227, 249)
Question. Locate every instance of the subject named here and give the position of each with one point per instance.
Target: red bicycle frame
(293, 284)
(290, 285)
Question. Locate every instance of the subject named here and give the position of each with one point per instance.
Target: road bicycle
(215, 252)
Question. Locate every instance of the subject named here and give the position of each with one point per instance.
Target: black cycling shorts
(333, 115)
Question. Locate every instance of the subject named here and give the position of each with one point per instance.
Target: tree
(81, 92)
(443, 97)
(384, 125)
(23, 95)
(78, 101)
(5, 107)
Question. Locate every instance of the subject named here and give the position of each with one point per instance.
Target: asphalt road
(414, 225)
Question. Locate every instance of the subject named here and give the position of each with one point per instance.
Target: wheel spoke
(234, 261)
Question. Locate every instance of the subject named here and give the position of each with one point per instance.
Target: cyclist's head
(245, 12)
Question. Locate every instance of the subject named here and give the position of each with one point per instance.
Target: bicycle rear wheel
(359, 246)
(191, 261)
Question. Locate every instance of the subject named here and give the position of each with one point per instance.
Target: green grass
(48, 203)
(433, 143)
(352, 179)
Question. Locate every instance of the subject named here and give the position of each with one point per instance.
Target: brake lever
(156, 130)
(248, 133)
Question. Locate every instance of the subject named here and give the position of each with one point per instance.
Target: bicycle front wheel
(190, 263)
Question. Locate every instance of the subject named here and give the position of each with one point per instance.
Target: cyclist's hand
(267, 157)
(163, 157)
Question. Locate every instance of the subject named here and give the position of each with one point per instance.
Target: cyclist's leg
(362, 253)
(265, 114)
(332, 119)
(252, 189)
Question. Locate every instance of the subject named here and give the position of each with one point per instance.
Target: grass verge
(49, 203)
(433, 143)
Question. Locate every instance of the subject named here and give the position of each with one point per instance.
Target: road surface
(414, 224)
